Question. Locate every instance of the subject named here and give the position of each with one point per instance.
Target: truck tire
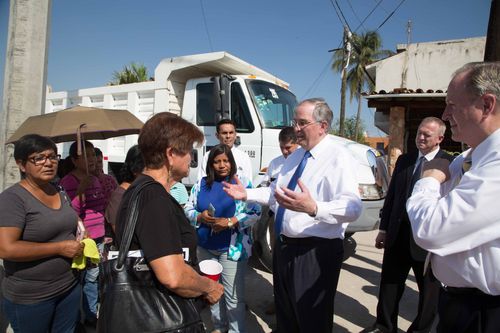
(263, 241)
(263, 237)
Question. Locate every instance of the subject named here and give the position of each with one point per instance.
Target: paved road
(356, 298)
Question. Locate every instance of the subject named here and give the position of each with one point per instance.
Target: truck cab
(260, 109)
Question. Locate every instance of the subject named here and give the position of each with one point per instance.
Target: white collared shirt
(428, 157)
(242, 163)
(458, 222)
(274, 167)
(330, 176)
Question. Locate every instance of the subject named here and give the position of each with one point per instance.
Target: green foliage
(349, 129)
(132, 73)
(365, 50)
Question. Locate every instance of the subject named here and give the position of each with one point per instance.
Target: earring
(169, 171)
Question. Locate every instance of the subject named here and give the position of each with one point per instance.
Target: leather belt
(464, 291)
(305, 240)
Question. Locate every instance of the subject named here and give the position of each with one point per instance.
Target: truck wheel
(263, 235)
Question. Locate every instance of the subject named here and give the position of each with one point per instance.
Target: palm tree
(130, 74)
(366, 50)
(349, 129)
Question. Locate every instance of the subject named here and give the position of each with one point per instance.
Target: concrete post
(25, 75)
(396, 135)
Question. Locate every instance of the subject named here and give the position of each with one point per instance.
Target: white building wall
(427, 65)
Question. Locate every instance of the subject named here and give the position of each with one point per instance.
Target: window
(205, 111)
(274, 104)
(239, 110)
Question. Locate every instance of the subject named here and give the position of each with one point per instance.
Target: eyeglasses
(42, 159)
(301, 124)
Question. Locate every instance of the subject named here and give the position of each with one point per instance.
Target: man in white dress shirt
(226, 134)
(309, 250)
(459, 221)
(288, 144)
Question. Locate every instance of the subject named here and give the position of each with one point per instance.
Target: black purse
(132, 299)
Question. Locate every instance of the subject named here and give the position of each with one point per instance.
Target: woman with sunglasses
(37, 244)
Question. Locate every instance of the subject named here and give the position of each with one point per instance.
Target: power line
(355, 15)
(369, 14)
(389, 16)
(314, 85)
(337, 12)
(206, 26)
(341, 13)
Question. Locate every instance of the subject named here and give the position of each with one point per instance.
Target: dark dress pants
(396, 265)
(305, 276)
(468, 312)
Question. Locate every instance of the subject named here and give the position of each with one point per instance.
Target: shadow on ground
(257, 321)
(358, 314)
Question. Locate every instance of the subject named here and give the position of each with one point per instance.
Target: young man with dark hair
(226, 134)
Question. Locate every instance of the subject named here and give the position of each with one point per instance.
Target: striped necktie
(278, 221)
(466, 164)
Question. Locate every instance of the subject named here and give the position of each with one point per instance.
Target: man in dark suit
(395, 236)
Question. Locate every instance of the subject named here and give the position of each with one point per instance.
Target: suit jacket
(394, 210)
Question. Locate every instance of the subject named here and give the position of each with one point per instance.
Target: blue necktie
(278, 221)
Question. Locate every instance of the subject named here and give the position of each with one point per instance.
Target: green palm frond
(132, 73)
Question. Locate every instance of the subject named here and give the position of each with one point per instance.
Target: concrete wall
(427, 65)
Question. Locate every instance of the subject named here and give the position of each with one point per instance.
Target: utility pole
(343, 88)
(492, 48)
(25, 75)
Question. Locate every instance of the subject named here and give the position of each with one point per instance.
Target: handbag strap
(132, 215)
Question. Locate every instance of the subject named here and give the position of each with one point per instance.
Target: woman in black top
(164, 234)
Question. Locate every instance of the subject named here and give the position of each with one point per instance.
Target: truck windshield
(274, 104)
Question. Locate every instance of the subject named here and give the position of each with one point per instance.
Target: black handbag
(132, 299)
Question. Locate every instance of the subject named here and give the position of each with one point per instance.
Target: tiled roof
(401, 91)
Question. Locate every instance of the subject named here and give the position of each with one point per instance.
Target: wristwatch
(230, 223)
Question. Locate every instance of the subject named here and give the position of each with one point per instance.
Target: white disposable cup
(211, 269)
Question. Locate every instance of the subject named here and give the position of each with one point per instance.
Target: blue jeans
(56, 315)
(91, 290)
(229, 312)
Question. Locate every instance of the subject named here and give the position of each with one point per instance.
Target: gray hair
(481, 78)
(439, 122)
(322, 111)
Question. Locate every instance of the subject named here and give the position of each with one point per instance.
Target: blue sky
(289, 38)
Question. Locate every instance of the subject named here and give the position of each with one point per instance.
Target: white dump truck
(204, 88)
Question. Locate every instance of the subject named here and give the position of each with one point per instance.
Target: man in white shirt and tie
(226, 134)
(454, 212)
(316, 194)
